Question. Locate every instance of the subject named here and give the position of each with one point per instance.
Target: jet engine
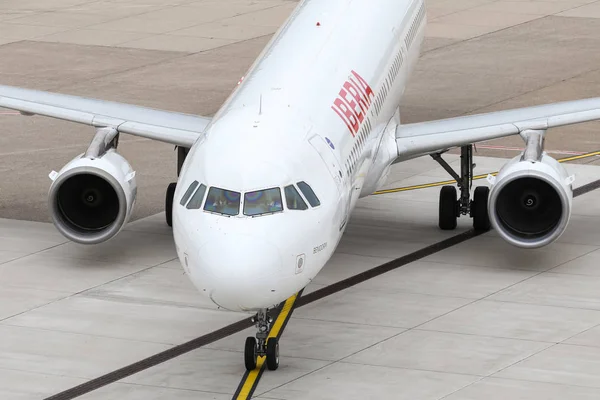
(92, 197)
(530, 201)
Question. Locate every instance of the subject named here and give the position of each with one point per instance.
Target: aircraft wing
(165, 126)
(435, 136)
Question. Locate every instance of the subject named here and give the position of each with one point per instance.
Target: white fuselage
(313, 108)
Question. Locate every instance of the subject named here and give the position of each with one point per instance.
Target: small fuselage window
(261, 202)
(307, 191)
(196, 201)
(188, 193)
(293, 200)
(222, 201)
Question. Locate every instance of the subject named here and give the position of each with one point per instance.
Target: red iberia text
(353, 101)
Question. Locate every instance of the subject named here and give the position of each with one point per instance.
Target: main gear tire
(448, 212)
(479, 209)
(169, 203)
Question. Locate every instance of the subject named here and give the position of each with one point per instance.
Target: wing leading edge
(165, 126)
(430, 137)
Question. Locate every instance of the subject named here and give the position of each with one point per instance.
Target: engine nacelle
(91, 198)
(530, 201)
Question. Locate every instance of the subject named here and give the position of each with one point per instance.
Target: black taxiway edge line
(152, 361)
(236, 327)
(586, 188)
(262, 368)
(387, 267)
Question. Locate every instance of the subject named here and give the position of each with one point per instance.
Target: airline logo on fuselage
(353, 101)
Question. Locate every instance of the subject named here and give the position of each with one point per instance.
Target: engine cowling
(530, 201)
(91, 198)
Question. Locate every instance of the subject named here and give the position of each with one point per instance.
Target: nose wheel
(250, 353)
(451, 207)
(262, 345)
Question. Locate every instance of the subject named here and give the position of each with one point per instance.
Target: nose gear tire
(272, 353)
(169, 203)
(448, 208)
(250, 355)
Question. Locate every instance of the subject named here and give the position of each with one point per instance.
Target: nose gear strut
(262, 345)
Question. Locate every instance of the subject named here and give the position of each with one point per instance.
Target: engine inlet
(87, 203)
(529, 208)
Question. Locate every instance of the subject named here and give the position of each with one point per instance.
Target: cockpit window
(262, 202)
(293, 200)
(196, 200)
(309, 194)
(188, 193)
(222, 201)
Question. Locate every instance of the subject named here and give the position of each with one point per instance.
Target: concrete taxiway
(479, 319)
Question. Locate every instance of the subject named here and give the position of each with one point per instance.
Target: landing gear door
(325, 150)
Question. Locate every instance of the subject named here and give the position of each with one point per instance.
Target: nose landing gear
(262, 345)
(450, 207)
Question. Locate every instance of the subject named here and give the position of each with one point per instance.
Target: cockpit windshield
(197, 198)
(293, 199)
(258, 202)
(309, 194)
(189, 192)
(223, 201)
(262, 202)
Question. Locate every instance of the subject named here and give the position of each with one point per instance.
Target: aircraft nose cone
(243, 271)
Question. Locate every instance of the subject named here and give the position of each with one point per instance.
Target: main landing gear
(453, 206)
(262, 345)
(182, 153)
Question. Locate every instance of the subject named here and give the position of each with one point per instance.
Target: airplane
(266, 186)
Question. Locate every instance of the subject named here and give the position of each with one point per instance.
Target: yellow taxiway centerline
(476, 177)
(251, 378)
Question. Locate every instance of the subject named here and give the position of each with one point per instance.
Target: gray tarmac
(478, 320)
(187, 56)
